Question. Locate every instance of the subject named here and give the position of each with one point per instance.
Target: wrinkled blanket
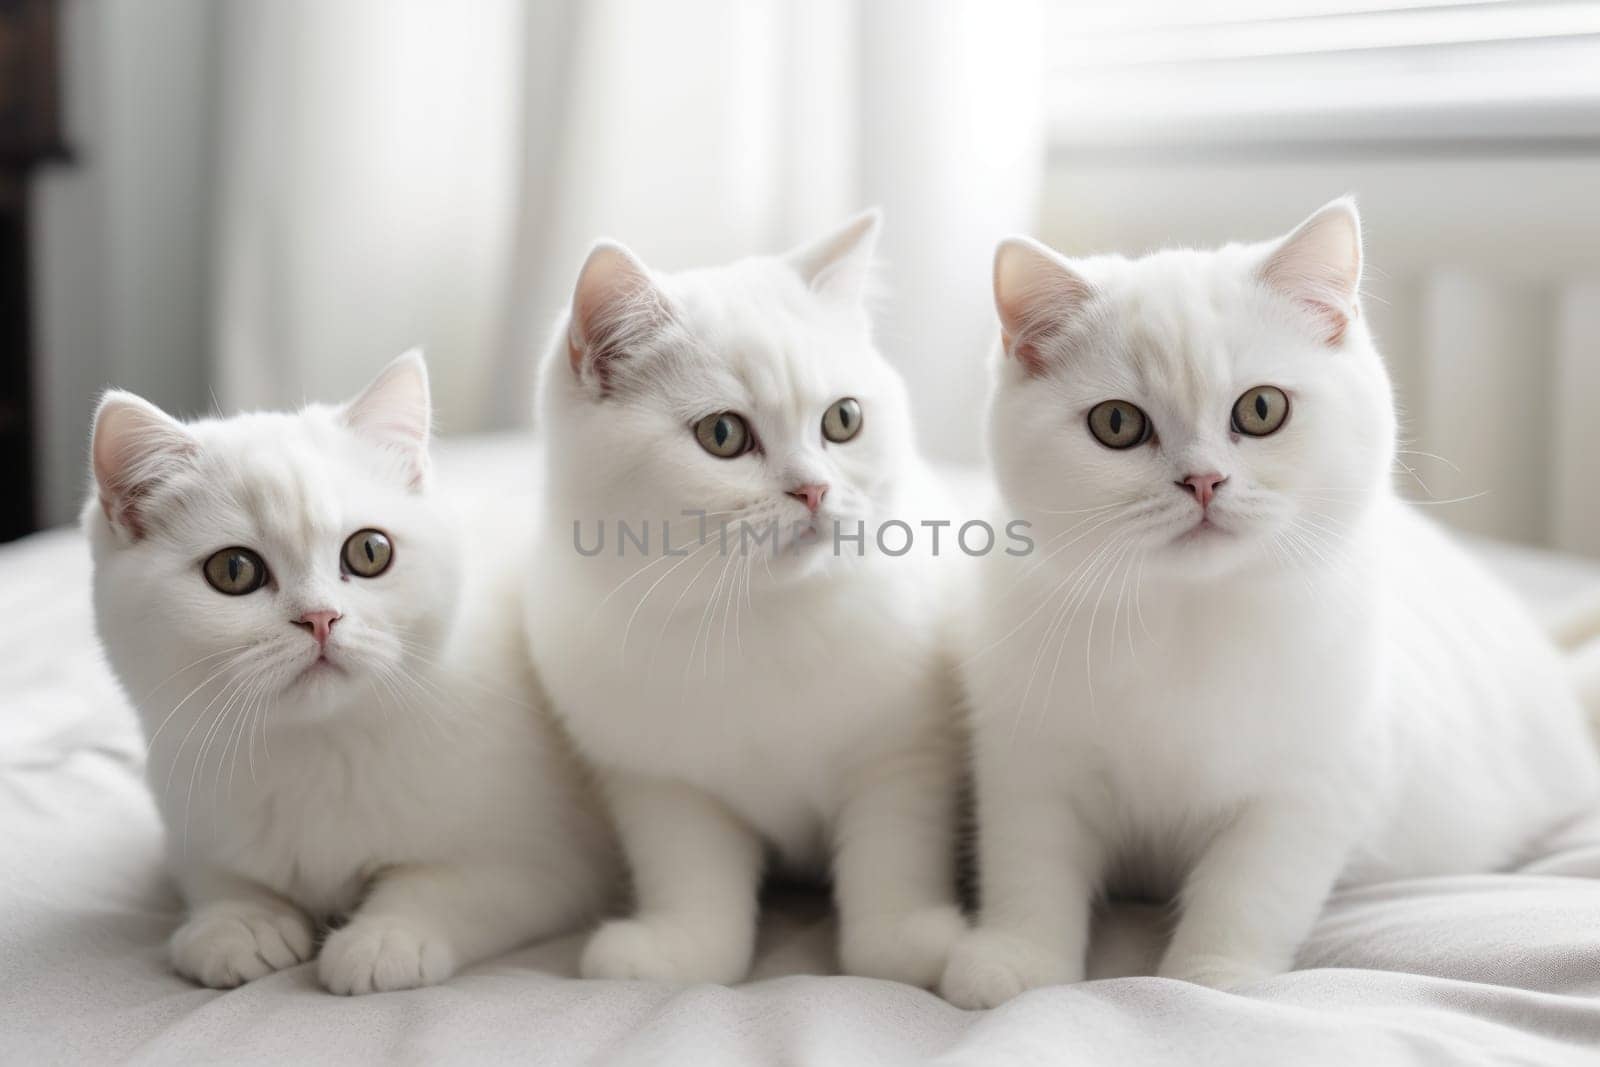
(1484, 969)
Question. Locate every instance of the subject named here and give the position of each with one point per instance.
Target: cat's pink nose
(1203, 486)
(319, 623)
(810, 495)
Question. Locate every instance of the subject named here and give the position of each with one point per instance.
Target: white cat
(739, 701)
(1237, 670)
(341, 714)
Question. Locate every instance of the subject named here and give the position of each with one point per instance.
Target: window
(1243, 72)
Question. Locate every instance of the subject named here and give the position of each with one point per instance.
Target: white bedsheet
(1490, 968)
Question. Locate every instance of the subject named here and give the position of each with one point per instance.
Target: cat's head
(751, 392)
(289, 564)
(1205, 409)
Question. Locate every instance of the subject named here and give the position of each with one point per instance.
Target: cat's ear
(840, 263)
(615, 305)
(134, 448)
(1319, 267)
(395, 412)
(1037, 297)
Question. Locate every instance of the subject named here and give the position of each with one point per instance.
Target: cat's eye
(1260, 411)
(368, 553)
(235, 571)
(842, 421)
(725, 435)
(1119, 424)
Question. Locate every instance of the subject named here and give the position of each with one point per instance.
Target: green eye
(724, 435)
(842, 421)
(1119, 424)
(1260, 411)
(235, 571)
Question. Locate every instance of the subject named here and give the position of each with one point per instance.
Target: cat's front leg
(421, 923)
(236, 931)
(1039, 870)
(1255, 892)
(696, 874)
(894, 870)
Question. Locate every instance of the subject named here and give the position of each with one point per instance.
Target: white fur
(740, 706)
(1329, 689)
(420, 789)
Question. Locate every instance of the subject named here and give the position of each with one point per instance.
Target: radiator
(1499, 386)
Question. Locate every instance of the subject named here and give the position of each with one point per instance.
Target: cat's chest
(326, 811)
(317, 843)
(1181, 702)
(770, 705)
(789, 694)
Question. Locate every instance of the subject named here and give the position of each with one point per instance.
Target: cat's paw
(912, 948)
(1216, 972)
(227, 944)
(657, 949)
(380, 954)
(989, 967)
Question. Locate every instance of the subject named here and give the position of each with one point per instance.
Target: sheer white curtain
(410, 171)
(366, 179)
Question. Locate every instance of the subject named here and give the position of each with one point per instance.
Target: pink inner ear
(121, 512)
(606, 346)
(1042, 312)
(575, 356)
(1027, 353)
(614, 307)
(122, 501)
(1318, 266)
(395, 412)
(135, 446)
(840, 262)
(419, 472)
(1335, 319)
(596, 357)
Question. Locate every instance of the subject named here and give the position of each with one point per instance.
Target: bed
(1488, 968)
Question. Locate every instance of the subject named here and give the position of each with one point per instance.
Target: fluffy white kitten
(1237, 670)
(739, 703)
(341, 713)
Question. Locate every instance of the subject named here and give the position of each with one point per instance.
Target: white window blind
(1300, 71)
